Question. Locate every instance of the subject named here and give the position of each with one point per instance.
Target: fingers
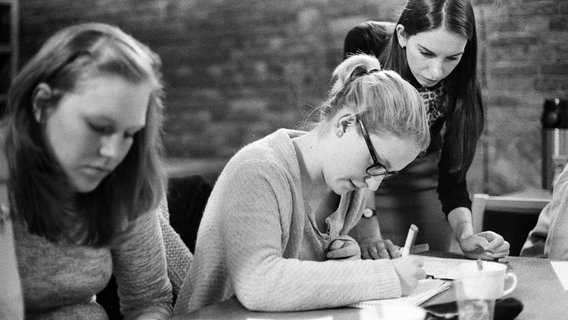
(486, 245)
(365, 254)
(420, 273)
(409, 270)
(336, 245)
(340, 249)
(496, 242)
(382, 249)
(373, 252)
(499, 254)
(394, 251)
(497, 246)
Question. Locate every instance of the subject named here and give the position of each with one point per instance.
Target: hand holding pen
(409, 268)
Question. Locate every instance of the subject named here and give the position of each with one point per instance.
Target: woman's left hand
(486, 245)
(344, 249)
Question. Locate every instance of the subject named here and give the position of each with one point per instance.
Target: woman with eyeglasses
(433, 46)
(275, 230)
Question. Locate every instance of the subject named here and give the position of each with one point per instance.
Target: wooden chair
(512, 216)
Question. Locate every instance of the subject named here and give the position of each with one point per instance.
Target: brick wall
(237, 70)
(524, 53)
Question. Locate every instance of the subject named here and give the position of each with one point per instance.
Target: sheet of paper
(426, 289)
(561, 268)
(443, 268)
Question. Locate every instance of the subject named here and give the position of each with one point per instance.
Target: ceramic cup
(477, 288)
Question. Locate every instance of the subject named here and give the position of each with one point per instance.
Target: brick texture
(237, 70)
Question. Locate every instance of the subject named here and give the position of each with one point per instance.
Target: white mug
(486, 280)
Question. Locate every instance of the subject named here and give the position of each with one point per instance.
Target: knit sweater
(259, 242)
(60, 280)
(549, 238)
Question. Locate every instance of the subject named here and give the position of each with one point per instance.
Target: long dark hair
(40, 193)
(465, 119)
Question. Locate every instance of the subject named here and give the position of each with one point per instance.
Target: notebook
(426, 289)
(442, 268)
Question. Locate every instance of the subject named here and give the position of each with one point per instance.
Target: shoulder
(274, 152)
(270, 162)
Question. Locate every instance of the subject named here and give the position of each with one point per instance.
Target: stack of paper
(442, 268)
(426, 289)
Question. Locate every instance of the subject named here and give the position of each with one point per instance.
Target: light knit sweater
(258, 241)
(549, 238)
(60, 280)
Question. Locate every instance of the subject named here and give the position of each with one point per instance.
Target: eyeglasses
(377, 168)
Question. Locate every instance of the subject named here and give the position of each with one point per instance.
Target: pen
(412, 231)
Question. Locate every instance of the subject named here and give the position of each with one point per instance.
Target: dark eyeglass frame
(377, 169)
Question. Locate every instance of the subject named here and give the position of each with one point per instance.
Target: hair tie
(372, 71)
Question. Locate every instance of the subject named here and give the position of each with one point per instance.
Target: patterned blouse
(434, 99)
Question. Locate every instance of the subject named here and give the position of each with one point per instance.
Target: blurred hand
(486, 245)
(409, 271)
(344, 249)
(379, 249)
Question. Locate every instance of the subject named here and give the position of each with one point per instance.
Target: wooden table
(539, 289)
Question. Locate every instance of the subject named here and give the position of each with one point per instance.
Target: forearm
(140, 269)
(368, 229)
(291, 284)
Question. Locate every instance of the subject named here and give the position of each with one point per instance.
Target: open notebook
(426, 289)
(442, 268)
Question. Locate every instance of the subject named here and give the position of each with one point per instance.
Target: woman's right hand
(378, 249)
(409, 271)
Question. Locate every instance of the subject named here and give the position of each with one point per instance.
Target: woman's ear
(40, 99)
(401, 35)
(343, 122)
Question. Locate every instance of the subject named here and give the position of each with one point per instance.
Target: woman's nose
(436, 69)
(111, 146)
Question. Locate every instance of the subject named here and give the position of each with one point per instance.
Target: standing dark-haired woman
(433, 46)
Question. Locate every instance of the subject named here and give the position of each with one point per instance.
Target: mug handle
(512, 276)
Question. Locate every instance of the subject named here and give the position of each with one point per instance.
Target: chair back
(512, 216)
